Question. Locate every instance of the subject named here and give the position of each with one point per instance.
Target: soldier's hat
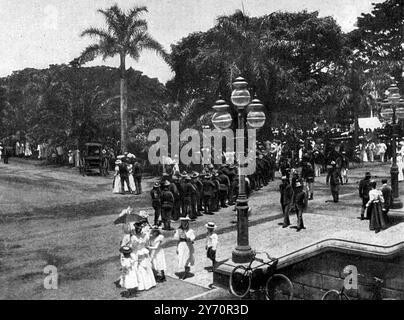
(156, 185)
(184, 174)
(210, 166)
(298, 184)
(174, 178)
(333, 163)
(208, 176)
(187, 177)
(284, 178)
(118, 162)
(232, 166)
(166, 183)
(195, 175)
(185, 218)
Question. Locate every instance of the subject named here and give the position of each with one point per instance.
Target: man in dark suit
(286, 200)
(364, 188)
(301, 205)
(387, 195)
(334, 180)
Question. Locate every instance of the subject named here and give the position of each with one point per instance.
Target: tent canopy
(369, 123)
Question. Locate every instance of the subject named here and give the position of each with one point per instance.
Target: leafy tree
(126, 35)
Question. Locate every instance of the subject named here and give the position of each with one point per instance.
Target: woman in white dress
(139, 240)
(400, 165)
(363, 153)
(116, 183)
(157, 253)
(185, 247)
(131, 179)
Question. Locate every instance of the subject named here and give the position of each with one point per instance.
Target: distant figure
(334, 180)
(364, 188)
(286, 200)
(378, 220)
(387, 196)
(382, 148)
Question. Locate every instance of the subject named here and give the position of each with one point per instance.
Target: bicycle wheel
(332, 295)
(279, 287)
(240, 281)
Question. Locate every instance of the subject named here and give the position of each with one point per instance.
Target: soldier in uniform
(364, 188)
(301, 205)
(334, 180)
(286, 200)
(216, 190)
(223, 188)
(167, 204)
(155, 194)
(208, 187)
(188, 191)
(231, 173)
(177, 197)
(197, 207)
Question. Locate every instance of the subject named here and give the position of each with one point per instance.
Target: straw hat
(125, 249)
(211, 225)
(185, 218)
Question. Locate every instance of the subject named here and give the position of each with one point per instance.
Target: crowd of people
(143, 262)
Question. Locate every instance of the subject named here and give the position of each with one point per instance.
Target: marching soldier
(197, 200)
(223, 188)
(216, 191)
(334, 180)
(188, 192)
(167, 204)
(286, 200)
(155, 194)
(176, 190)
(208, 187)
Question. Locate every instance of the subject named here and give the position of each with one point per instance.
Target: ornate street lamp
(393, 108)
(255, 118)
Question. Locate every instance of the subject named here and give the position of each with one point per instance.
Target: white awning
(369, 123)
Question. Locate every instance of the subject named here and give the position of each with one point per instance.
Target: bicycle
(341, 295)
(248, 279)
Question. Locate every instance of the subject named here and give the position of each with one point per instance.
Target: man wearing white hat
(211, 242)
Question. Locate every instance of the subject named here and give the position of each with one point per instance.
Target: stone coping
(384, 245)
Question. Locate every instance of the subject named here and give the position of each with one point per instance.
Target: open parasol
(127, 215)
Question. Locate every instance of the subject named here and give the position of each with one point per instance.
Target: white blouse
(375, 195)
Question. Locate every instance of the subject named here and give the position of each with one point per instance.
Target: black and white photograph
(188, 150)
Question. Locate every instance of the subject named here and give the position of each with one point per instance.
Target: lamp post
(390, 111)
(255, 118)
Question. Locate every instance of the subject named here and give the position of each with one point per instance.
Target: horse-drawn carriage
(93, 158)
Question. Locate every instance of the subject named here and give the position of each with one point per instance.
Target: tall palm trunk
(124, 105)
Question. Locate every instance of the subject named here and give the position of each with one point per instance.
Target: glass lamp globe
(240, 96)
(221, 118)
(394, 94)
(255, 114)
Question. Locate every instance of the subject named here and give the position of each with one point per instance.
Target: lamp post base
(241, 254)
(396, 204)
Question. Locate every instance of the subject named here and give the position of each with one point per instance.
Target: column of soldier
(193, 194)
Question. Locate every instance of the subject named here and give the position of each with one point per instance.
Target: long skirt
(158, 260)
(185, 254)
(378, 218)
(128, 280)
(116, 185)
(145, 275)
(132, 183)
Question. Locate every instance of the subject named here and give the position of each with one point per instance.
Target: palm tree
(126, 35)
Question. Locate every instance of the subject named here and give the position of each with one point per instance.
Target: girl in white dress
(128, 279)
(157, 253)
(400, 165)
(145, 275)
(185, 248)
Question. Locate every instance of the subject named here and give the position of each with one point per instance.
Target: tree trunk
(124, 106)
